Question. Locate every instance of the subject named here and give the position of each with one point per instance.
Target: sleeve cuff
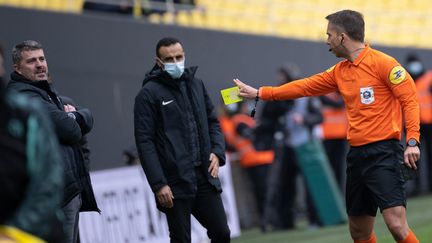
(265, 93)
(413, 136)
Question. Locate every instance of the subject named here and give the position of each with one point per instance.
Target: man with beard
(31, 175)
(180, 145)
(71, 124)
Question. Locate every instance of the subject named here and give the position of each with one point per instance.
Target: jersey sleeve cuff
(265, 93)
(415, 136)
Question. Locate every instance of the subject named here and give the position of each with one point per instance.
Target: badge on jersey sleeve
(397, 75)
(367, 95)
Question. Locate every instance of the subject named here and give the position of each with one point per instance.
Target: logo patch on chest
(367, 95)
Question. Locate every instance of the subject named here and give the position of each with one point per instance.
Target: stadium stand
(51, 5)
(404, 23)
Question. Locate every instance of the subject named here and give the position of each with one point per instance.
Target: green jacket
(40, 196)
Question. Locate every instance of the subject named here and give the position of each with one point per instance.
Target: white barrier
(129, 213)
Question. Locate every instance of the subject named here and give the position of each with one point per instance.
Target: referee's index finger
(238, 82)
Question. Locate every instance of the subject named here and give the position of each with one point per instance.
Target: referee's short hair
(349, 21)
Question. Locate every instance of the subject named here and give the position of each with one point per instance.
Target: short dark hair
(349, 21)
(28, 45)
(166, 41)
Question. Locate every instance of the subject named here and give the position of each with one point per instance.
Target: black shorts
(374, 178)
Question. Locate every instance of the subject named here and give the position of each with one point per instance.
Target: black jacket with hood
(162, 135)
(70, 133)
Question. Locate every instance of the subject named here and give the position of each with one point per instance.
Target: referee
(377, 91)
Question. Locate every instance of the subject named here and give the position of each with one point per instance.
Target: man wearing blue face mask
(180, 145)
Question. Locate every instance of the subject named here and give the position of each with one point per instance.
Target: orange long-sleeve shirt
(374, 87)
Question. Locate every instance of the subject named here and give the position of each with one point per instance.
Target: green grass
(419, 219)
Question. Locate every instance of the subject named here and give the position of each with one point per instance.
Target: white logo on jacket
(367, 95)
(166, 102)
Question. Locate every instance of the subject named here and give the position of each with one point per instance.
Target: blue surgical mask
(175, 69)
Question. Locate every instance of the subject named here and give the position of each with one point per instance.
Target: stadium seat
(168, 18)
(15, 3)
(42, 4)
(197, 18)
(183, 18)
(155, 18)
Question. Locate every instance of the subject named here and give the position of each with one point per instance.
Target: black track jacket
(161, 131)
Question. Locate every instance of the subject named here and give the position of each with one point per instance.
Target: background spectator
(423, 81)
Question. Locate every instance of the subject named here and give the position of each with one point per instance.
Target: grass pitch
(419, 219)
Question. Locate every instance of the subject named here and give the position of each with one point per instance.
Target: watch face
(412, 142)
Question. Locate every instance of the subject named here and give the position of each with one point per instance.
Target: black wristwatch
(412, 142)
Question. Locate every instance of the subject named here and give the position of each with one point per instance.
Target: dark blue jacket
(70, 133)
(162, 133)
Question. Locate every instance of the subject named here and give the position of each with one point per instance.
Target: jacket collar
(43, 84)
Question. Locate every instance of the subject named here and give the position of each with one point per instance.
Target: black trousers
(336, 150)
(259, 177)
(288, 190)
(206, 207)
(426, 139)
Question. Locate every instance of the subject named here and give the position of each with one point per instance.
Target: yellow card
(231, 95)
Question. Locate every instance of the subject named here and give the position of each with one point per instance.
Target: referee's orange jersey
(374, 87)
